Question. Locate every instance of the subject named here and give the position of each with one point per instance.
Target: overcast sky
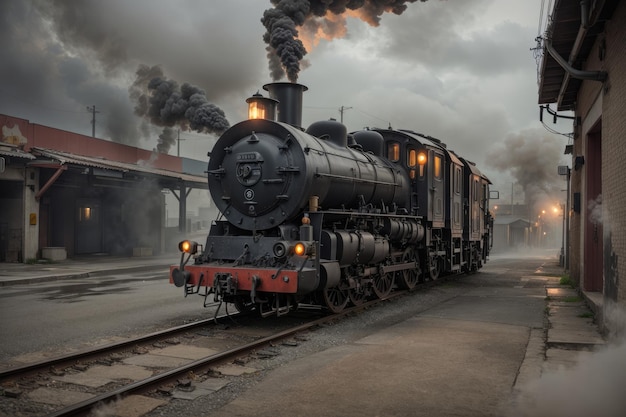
(459, 70)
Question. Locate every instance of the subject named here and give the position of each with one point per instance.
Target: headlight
(188, 246)
(301, 249)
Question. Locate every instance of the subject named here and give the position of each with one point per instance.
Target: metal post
(182, 209)
(93, 111)
(567, 225)
(341, 110)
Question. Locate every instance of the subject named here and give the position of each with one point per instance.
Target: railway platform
(527, 363)
(81, 267)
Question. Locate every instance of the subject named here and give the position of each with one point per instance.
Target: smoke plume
(164, 103)
(532, 159)
(316, 19)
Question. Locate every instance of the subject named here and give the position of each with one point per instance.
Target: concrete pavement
(80, 267)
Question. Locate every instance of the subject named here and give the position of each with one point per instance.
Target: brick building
(584, 69)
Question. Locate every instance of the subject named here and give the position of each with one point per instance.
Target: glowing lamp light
(188, 246)
(260, 107)
(299, 249)
(256, 111)
(421, 158)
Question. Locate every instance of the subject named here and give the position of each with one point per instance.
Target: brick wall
(614, 156)
(612, 96)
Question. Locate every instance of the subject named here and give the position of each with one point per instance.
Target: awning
(13, 152)
(62, 158)
(111, 172)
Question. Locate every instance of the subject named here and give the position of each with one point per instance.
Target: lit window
(393, 151)
(437, 167)
(412, 162)
(412, 158)
(84, 214)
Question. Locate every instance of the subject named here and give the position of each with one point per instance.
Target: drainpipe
(586, 21)
(573, 72)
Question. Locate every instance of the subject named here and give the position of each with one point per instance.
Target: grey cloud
(433, 37)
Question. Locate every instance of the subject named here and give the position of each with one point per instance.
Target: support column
(182, 209)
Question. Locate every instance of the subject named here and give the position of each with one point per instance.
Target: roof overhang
(48, 158)
(573, 42)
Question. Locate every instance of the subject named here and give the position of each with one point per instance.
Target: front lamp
(302, 249)
(188, 246)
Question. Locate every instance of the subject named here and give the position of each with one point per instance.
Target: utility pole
(512, 193)
(341, 110)
(93, 111)
(178, 139)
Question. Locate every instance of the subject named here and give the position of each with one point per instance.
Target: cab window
(393, 151)
(437, 167)
(412, 162)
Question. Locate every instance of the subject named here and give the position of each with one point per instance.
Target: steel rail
(46, 364)
(86, 406)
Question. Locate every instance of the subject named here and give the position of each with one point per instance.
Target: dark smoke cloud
(50, 77)
(62, 56)
(286, 50)
(165, 104)
(532, 159)
(167, 139)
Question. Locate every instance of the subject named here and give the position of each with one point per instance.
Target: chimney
(289, 96)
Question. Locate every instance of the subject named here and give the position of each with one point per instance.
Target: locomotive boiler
(320, 216)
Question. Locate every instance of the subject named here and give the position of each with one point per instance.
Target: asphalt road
(47, 319)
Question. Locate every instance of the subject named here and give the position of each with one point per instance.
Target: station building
(63, 194)
(583, 70)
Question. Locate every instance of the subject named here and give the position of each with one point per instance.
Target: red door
(593, 279)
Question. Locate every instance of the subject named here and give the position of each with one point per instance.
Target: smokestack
(289, 96)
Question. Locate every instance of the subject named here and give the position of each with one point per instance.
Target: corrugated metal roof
(71, 159)
(14, 153)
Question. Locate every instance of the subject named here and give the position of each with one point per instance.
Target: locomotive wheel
(408, 278)
(243, 305)
(335, 299)
(357, 296)
(434, 267)
(382, 284)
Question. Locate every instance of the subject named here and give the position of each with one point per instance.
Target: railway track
(210, 346)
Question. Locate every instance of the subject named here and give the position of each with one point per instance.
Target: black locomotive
(320, 216)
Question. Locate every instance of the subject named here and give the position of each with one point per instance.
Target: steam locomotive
(324, 217)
